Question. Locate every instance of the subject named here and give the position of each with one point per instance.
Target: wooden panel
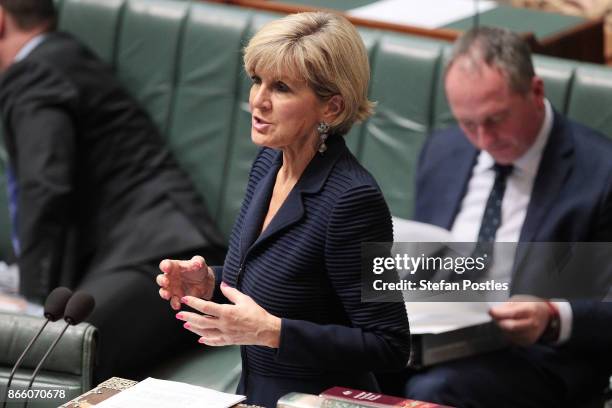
(441, 33)
(583, 42)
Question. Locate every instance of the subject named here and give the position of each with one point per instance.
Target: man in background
(96, 199)
(514, 170)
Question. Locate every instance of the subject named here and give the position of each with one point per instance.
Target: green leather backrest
(183, 61)
(442, 115)
(557, 75)
(354, 138)
(148, 50)
(591, 99)
(95, 22)
(73, 355)
(403, 85)
(68, 368)
(207, 82)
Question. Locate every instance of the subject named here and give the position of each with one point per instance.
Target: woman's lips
(259, 124)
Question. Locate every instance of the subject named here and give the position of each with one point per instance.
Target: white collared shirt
(29, 47)
(518, 191)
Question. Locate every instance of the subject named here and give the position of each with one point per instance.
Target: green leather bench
(66, 374)
(182, 61)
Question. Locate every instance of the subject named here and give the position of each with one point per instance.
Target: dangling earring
(322, 129)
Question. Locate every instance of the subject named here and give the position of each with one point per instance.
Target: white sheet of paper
(154, 393)
(413, 231)
(439, 317)
(428, 14)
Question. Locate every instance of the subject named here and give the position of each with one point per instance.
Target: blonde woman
(289, 291)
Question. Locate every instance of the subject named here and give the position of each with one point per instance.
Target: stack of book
(341, 397)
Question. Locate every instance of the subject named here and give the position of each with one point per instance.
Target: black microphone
(54, 310)
(79, 306)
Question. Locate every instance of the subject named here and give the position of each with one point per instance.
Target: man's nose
(486, 137)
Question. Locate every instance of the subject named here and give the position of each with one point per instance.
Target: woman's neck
(295, 160)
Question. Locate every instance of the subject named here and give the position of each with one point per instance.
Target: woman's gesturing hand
(185, 278)
(244, 322)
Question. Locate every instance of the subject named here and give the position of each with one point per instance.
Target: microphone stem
(44, 358)
(18, 363)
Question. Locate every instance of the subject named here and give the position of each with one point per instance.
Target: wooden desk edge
(109, 388)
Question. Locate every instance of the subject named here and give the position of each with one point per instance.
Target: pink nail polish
(186, 325)
(179, 316)
(201, 340)
(184, 300)
(224, 284)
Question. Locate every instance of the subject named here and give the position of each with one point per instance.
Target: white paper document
(427, 14)
(440, 317)
(154, 393)
(413, 231)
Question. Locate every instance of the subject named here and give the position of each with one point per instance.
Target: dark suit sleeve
(603, 231)
(592, 320)
(43, 134)
(591, 333)
(378, 337)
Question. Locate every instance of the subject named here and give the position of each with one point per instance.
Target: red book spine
(375, 400)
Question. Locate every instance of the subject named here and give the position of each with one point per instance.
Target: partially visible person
(290, 289)
(96, 199)
(514, 170)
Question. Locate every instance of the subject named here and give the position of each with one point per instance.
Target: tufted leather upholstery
(68, 368)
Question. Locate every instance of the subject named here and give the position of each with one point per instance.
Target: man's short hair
(500, 48)
(29, 14)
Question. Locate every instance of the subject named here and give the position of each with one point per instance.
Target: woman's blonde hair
(326, 51)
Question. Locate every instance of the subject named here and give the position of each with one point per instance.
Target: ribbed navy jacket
(305, 269)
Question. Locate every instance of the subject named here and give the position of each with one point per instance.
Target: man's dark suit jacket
(97, 188)
(571, 202)
(305, 268)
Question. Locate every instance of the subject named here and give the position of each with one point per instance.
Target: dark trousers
(518, 377)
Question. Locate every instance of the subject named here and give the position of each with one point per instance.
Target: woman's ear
(333, 108)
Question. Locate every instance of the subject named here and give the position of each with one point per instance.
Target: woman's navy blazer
(306, 269)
